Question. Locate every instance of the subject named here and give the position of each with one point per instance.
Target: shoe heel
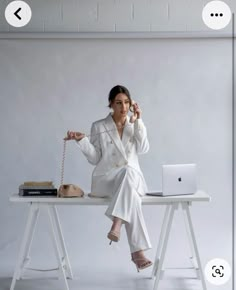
(113, 236)
(135, 265)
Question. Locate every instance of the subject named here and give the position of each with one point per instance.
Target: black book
(38, 192)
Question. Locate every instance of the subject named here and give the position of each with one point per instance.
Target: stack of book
(35, 188)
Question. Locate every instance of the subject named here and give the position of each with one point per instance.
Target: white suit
(117, 174)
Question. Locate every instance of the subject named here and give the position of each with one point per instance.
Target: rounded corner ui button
(18, 13)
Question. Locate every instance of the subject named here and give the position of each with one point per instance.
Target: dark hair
(118, 90)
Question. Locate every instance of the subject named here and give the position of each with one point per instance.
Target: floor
(102, 279)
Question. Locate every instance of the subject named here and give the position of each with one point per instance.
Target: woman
(113, 148)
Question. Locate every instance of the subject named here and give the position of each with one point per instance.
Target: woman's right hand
(71, 135)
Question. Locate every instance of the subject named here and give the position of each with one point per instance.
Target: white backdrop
(49, 86)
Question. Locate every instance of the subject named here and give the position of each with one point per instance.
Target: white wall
(184, 89)
(50, 86)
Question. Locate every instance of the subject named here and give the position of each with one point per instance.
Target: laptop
(177, 179)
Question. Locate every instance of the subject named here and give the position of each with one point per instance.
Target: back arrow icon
(16, 13)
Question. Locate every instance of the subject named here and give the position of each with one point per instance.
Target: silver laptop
(177, 179)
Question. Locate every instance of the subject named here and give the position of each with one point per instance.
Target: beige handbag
(68, 190)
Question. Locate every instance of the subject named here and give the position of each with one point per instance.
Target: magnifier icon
(218, 271)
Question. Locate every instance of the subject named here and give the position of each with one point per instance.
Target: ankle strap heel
(140, 266)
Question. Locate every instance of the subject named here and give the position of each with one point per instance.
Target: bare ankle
(117, 223)
(138, 254)
(117, 220)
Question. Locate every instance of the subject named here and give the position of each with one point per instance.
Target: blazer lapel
(127, 133)
(110, 127)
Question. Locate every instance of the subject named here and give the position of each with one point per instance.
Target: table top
(86, 200)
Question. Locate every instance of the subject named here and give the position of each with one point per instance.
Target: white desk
(50, 203)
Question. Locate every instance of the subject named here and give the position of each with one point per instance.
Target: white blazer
(111, 154)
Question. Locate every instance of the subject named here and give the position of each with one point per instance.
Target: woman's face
(121, 105)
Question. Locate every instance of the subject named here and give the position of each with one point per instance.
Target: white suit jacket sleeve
(91, 149)
(140, 136)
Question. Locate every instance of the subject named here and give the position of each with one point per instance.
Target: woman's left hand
(137, 110)
(137, 113)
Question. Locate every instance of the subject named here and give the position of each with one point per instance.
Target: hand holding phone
(134, 108)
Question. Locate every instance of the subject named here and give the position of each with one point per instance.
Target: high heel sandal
(113, 236)
(146, 263)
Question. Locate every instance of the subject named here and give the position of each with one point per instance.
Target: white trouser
(126, 205)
